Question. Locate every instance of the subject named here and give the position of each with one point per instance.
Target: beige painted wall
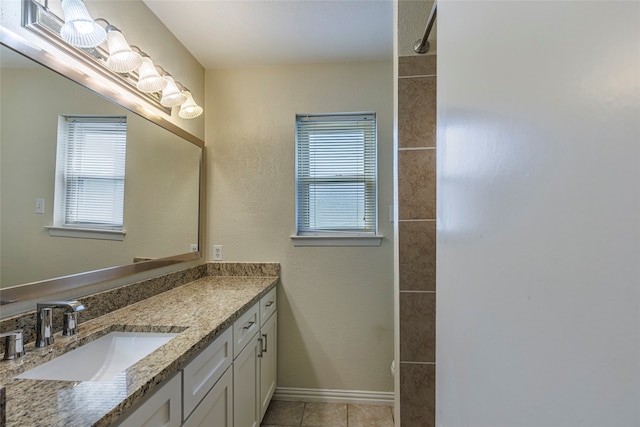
(335, 304)
(161, 198)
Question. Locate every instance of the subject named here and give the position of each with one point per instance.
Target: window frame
(305, 236)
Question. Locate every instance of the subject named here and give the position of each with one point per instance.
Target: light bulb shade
(171, 95)
(189, 109)
(149, 80)
(122, 59)
(79, 28)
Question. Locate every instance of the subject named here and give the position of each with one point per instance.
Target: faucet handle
(70, 323)
(13, 344)
(44, 328)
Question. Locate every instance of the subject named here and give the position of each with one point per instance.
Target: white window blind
(92, 161)
(336, 174)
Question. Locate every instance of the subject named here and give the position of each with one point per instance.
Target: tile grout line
(416, 76)
(348, 415)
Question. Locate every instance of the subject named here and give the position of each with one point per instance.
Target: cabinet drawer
(244, 328)
(205, 370)
(268, 305)
(162, 409)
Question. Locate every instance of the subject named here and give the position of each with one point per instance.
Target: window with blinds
(90, 170)
(336, 174)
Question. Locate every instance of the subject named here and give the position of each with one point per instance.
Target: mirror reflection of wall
(161, 175)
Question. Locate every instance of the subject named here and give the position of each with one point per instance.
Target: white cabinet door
(162, 409)
(268, 362)
(246, 391)
(216, 409)
(205, 370)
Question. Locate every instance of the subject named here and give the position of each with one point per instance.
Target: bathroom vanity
(219, 369)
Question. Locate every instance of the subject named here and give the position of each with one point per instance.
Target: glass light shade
(189, 109)
(122, 59)
(79, 28)
(171, 95)
(149, 80)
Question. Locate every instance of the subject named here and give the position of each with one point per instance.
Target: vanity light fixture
(189, 109)
(171, 95)
(134, 66)
(122, 59)
(79, 28)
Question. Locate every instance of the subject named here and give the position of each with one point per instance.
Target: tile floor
(306, 414)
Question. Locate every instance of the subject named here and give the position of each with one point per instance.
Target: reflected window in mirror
(90, 176)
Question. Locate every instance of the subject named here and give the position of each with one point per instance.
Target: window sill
(86, 233)
(337, 240)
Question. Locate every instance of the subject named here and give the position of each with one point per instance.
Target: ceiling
(244, 33)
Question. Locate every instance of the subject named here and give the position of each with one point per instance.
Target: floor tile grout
(386, 417)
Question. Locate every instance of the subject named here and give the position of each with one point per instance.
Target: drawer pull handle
(266, 343)
(269, 304)
(248, 324)
(261, 351)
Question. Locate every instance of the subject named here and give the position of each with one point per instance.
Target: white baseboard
(334, 396)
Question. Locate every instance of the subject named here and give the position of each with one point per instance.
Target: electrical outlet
(217, 252)
(193, 247)
(39, 206)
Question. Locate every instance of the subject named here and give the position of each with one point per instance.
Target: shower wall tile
(417, 395)
(417, 239)
(417, 260)
(417, 327)
(416, 184)
(417, 65)
(417, 112)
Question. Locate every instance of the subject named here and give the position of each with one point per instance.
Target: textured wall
(412, 20)
(335, 304)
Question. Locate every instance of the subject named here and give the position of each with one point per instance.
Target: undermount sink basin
(100, 360)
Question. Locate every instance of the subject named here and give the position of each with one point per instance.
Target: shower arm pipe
(422, 45)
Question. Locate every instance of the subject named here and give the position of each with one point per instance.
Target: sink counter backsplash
(199, 302)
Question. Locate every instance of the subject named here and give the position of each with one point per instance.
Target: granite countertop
(200, 311)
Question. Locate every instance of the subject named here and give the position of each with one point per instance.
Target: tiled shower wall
(417, 238)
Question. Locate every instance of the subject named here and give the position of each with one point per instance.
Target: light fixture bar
(121, 63)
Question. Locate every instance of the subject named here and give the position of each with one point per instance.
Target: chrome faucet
(44, 328)
(13, 345)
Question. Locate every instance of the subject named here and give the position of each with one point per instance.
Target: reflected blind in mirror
(94, 169)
